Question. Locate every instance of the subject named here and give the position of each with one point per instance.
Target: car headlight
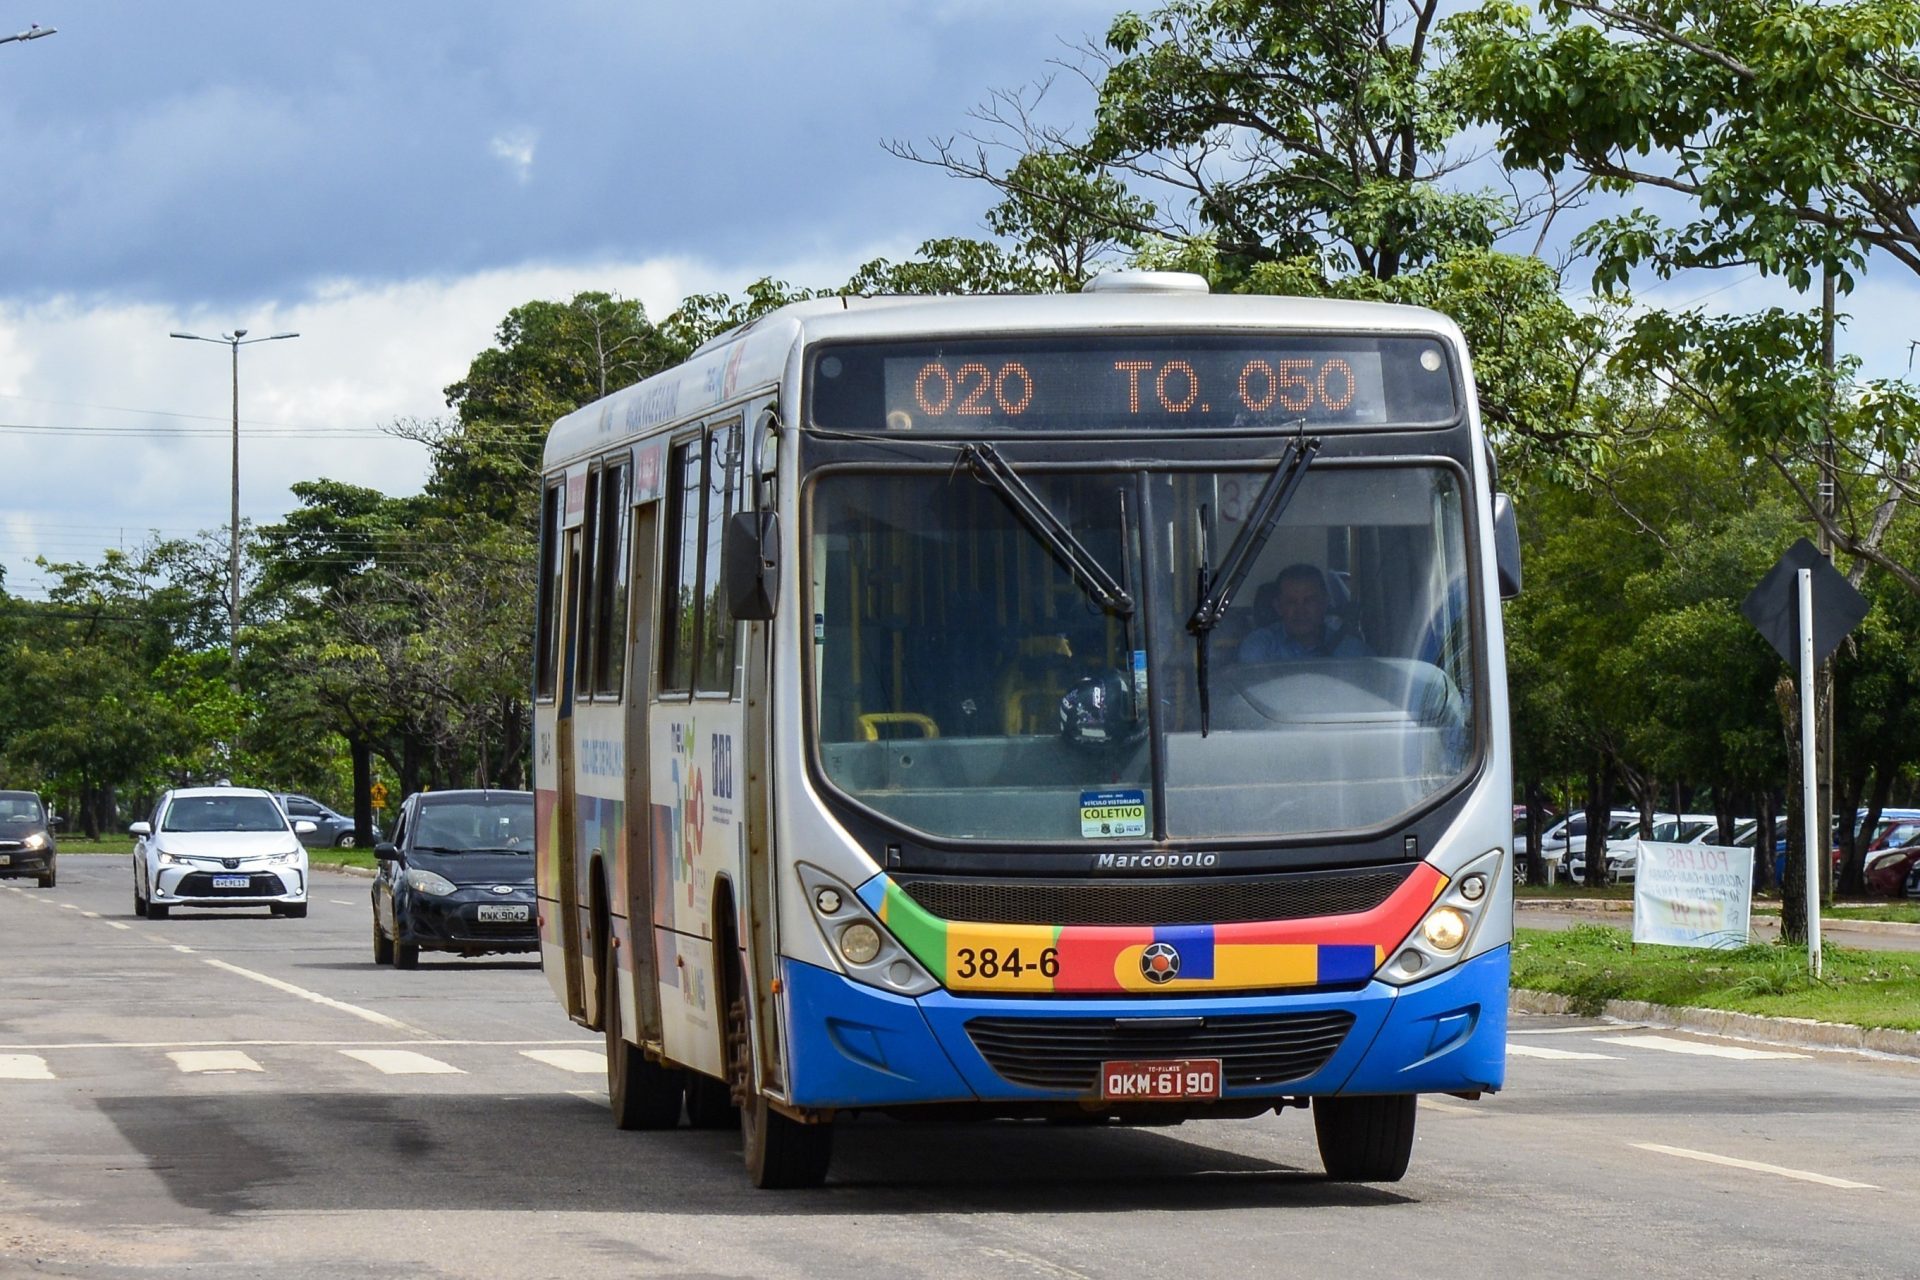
(38, 840)
(427, 882)
(283, 859)
(866, 949)
(171, 860)
(1440, 940)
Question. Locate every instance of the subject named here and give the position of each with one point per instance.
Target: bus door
(649, 468)
(565, 853)
(762, 946)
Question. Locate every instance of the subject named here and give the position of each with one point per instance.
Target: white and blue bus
(1075, 707)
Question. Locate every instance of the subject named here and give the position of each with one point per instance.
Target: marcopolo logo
(1156, 861)
(1160, 963)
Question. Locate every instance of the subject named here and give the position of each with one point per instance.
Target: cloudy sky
(389, 179)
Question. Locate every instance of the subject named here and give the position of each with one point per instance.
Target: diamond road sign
(1773, 606)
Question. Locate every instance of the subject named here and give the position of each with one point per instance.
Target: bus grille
(1066, 1053)
(1296, 895)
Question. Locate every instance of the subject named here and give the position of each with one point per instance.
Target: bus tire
(781, 1153)
(710, 1103)
(1365, 1139)
(641, 1093)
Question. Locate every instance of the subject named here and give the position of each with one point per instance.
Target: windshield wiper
(1216, 588)
(438, 848)
(984, 463)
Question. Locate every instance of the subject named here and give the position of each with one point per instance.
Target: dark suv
(330, 830)
(26, 842)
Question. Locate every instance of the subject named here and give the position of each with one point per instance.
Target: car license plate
(231, 882)
(491, 914)
(1160, 1080)
(6, 859)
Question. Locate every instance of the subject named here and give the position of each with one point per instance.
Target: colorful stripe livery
(1187, 958)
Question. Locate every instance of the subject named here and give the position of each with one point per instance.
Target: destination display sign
(1160, 382)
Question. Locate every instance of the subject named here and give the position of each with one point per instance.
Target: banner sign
(1692, 895)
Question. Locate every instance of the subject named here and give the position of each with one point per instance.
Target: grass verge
(1591, 964)
(318, 857)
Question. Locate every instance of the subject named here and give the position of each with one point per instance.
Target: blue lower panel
(852, 1045)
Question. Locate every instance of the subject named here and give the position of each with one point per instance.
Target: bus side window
(610, 584)
(547, 638)
(722, 495)
(681, 579)
(585, 595)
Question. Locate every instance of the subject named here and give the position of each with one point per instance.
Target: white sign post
(1809, 794)
(1692, 895)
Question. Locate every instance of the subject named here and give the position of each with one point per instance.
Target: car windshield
(968, 684)
(20, 808)
(498, 824)
(223, 813)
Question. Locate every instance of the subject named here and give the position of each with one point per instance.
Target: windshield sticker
(1107, 815)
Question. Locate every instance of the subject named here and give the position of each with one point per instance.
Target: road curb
(1802, 1033)
(1624, 906)
(359, 873)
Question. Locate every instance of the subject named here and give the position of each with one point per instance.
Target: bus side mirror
(750, 564)
(1506, 545)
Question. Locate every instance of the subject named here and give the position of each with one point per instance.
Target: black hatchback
(457, 877)
(26, 841)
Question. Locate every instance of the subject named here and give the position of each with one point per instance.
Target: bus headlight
(867, 951)
(1440, 939)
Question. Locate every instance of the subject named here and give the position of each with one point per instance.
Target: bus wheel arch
(781, 1152)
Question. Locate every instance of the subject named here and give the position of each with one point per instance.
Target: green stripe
(920, 932)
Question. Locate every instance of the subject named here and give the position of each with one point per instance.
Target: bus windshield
(966, 686)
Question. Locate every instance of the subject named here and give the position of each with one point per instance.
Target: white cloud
(516, 147)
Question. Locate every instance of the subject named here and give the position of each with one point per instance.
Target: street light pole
(235, 340)
(34, 32)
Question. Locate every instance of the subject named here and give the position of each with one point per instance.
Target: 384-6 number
(988, 962)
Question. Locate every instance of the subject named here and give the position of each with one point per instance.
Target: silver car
(219, 847)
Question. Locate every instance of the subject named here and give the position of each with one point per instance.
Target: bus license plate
(490, 914)
(232, 882)
(1161, 1080)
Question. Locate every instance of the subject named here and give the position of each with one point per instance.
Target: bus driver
(1302, 629)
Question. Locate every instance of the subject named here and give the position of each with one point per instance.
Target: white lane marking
(403, 1062)
(115, 924)
(1451, 1108)
(338, 903)
(23, 1066)
(1799, 1175)
(183, 950)
(588, 1062)
(1668, 1044)
(68, 906)
(191, 1061)
(270, 1044)
(1557, 1055)
(354, 1009)
(91, 915)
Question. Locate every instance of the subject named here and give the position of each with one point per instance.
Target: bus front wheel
(781, 1152)
(1365, 1139)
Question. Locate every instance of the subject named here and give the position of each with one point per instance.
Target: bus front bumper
(856, 1046)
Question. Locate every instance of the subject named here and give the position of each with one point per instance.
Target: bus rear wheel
(641, 1093)
(781, 1152)
(1365, 1139)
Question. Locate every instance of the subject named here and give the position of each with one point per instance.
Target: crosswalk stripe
(403, 1062)
(23, 1066)
(1557, 1055)
(588, 1062)
(1668, 1044)
(191, 1061)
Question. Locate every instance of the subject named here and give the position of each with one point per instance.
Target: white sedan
(219, 847)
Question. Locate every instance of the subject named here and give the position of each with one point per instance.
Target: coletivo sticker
(1105, 815)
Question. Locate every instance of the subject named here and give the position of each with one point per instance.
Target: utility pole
(1829, 509)
(235, 340)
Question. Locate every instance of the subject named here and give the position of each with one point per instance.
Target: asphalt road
(450, 1122)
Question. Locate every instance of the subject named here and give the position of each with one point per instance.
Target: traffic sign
(1773, 607)
(377, 794)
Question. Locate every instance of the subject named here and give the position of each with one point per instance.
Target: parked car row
(1563, 844)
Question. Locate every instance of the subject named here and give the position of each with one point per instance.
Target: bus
(1084, 708)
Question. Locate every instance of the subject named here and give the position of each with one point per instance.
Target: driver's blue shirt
(1273, 644)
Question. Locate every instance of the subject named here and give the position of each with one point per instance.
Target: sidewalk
(1799, 1033)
